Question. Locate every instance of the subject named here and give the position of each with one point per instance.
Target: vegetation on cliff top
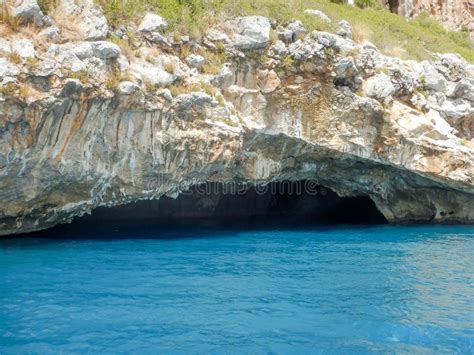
(393, 34)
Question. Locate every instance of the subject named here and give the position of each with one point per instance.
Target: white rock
(458, 108)
(195, 61)
(92, 24)
(28, 11)
(128, 88)
(5, 48)
(215, 35)
(24, 48)
(379, 86)
(152, 22)
(152, 74)
(254, 33)
(51, 33)
(105, 50)
(319, 14)
(8, 69)
(82, 50)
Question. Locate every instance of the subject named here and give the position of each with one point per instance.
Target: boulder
(152, 74)
(253, 33)
(379, 86)
(152, 22)
(432, 79)
(195, 61)
(28, 11)
(105, 50)
(94, 24)
(319, 14)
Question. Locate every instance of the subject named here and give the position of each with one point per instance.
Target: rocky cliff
(86, 122)
(456, 15)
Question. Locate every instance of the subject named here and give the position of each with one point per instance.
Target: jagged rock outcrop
(89, 125)
(456, 15)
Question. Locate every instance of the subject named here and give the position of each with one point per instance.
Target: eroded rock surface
(84, 124)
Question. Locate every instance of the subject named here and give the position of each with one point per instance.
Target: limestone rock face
(84, 124)
(454, 14)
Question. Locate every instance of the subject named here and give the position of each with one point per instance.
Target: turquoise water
(364, 289)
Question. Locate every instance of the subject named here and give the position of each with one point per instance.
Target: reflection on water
(381, 289)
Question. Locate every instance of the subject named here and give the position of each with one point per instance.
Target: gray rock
(28, 11)
(83, 50)
(195, 61)
(297, 29)
(345, 29)
(464, 89)
(452, 66)
(379, 86)
(346, 68)
(72, 88)
(319, 14)
(336, 42)
(94, 24)
(152, 22)
(432, 79)
(187, 101)
(51, 33)
(105, 50)
(456, 109)
(254, 33)
(304, 49)
(285, 35)
(279, 48)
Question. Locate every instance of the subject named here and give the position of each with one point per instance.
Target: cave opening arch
(228, 204)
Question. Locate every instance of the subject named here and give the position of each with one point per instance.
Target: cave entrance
(230, 204)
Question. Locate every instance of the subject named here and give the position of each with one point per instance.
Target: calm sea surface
(264, 290)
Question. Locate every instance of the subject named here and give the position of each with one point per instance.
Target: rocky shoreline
(90, 122)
